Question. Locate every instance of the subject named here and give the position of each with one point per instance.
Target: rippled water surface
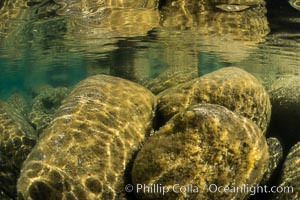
(59, 42)
(56, 43)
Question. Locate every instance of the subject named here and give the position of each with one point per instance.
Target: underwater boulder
(83, 153)
(275, 157)
(285, 100)
(202, 147)
(171, 77)
(180, 64)
(290, 177)
(231, 87)
(19, 103)
(44, 106)
(17, 138)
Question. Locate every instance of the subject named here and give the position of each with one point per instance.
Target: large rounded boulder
(290, 177)
(275, 157)
(201, 148)
(231, 87)
(83, 153)
(17, 139)
(285, 99)
(44, 106)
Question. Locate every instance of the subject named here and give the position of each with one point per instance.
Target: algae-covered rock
(275, 157)
(171, 77)
(19, 103)
(44, 106)
(177, 53)
(285, 99)
(17, 139)
(84, 151)
(203, 145)
(231, 87)
(290, 177)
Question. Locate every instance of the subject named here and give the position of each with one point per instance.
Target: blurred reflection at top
(53, 40)
(229, 28)
(197, 37)
(157, 47)
(91, 26)
(97, 25)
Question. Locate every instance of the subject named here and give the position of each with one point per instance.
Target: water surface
(59, 43)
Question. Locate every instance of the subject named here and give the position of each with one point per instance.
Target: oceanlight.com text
(252, 190)
(211, 188)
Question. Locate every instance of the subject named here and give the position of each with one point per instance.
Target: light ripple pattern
(84, 151)
(202, 145)
(17, 138)
(231, 87)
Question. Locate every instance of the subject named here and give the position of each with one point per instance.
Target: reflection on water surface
(158, 44)
(61, 42)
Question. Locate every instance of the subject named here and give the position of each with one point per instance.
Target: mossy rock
(19, 103)
(171, 77)
(17, 138)
(203, 145)
(44, 106)
(275, 157)
(231, 87)
(285, 100)
(83, 153)
(290, 177)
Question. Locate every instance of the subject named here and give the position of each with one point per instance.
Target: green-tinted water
(47, 44)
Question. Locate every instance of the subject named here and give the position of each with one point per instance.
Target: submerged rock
(44, 106)
(17, 138)
(231, 87)
(19, 103)
(171, 77)
(290, 177)
(275, 157)
(84, 151)
(285, 99)
(203, 145)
